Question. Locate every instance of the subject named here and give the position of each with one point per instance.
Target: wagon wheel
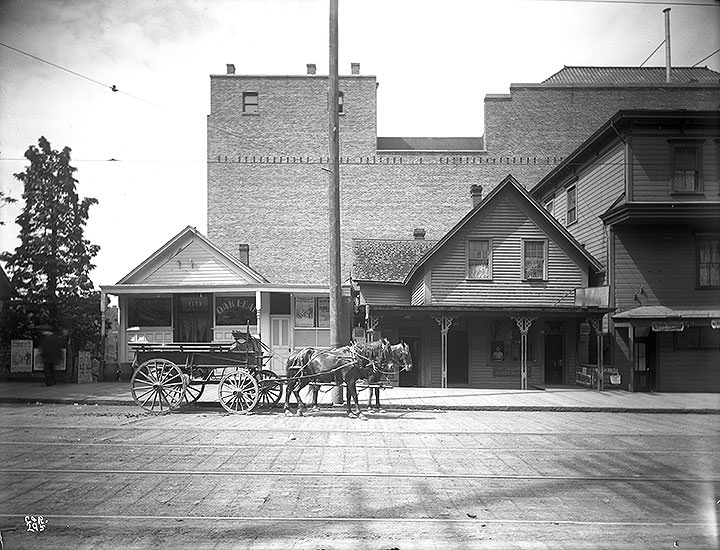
(194, 388)
(158, 385)
(270, 388)
(193, 391)
(238, 391)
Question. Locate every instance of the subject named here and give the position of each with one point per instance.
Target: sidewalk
(569, 399)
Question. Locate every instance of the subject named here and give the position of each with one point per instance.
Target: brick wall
(267, 173)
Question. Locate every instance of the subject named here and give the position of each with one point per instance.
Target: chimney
(354, 68)
(311, 68)
(244, 254)
(419, 233)
(476, 194)
(230, 68)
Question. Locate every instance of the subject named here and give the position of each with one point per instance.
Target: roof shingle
(387, 260)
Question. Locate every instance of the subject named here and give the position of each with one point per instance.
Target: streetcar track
(288, 444)
(423, 475)
(326, 429)
(364, 520)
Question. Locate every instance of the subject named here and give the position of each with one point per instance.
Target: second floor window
(250, 105)
(534, 260)
(571, 216)
(708, 258)
(685, 175)
(479, 260)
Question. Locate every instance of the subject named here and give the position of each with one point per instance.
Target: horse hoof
(299, 413)
(351, 415)
(371, 410)
(361, 416)
(382, 411)
(288, 412)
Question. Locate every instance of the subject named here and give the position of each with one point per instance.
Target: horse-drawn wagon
(166, 376)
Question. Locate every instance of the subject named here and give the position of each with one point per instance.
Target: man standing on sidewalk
(50, 351)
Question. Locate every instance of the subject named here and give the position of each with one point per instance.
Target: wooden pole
(334, 192)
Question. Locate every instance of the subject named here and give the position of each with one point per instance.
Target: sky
(141, 150)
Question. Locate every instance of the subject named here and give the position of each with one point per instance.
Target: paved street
(113, 476)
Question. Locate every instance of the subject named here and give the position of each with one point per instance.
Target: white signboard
(21, 356)
(84, 374)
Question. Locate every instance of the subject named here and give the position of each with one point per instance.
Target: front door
(644, 375)
(554, 358)
(457, 357)
(279, 342)
(193, 317)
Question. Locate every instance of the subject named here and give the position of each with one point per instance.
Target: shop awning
(649, 313)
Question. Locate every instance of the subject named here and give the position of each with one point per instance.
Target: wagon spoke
(157, 385)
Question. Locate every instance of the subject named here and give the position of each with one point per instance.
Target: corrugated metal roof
(387, 260)
(633, 75)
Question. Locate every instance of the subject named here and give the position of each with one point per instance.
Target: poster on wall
(304, 311)
(21, 355)
(84, 373)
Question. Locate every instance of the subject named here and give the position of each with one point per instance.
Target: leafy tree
(50, 268)
(4, 201)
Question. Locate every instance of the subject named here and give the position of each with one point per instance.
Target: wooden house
(493, 304)
(642, 195)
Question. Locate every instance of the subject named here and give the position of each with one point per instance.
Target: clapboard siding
(418, 292)
(598, 185)
(686, 370)
(506, 225)
(651, 168)
(385, 295)
(661, 262)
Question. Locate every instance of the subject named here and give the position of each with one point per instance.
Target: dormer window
(685, 167)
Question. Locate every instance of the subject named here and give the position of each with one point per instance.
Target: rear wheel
(158, 386)
(238, 391)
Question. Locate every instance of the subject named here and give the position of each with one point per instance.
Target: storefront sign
(21, 356)
(235, 310)
(668, 326)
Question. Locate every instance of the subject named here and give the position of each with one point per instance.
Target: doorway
(554, 358)
(410, 378)
(644, 368)
(457, 357)
(193, 315)
(279, 342)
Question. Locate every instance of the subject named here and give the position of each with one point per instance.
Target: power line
(649, 56)
(708, 57)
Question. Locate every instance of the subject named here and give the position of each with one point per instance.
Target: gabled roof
(189, 258)
(509, 183)
(386, 260)
(618, 76)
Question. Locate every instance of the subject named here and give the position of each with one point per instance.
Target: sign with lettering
(21, 356)
(235, 310)
(668, 326)
(84, 373)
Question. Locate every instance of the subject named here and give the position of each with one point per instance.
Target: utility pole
(668, 62)
(334, 193)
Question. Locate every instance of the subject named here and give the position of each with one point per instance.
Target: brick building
(267, 146)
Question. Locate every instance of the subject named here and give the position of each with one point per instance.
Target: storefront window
(505, 342)
(235, 310)
(312, 312)
(153, 311)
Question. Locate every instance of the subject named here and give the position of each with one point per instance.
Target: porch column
(523, 323)
(597, 327)
(445, 323)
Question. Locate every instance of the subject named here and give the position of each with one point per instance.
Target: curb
(388, 407)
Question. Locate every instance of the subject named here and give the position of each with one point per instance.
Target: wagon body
(166, 376)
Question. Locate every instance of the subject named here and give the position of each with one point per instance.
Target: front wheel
(271, 388)
(238, 391)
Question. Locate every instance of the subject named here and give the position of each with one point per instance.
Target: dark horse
(346, 364)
